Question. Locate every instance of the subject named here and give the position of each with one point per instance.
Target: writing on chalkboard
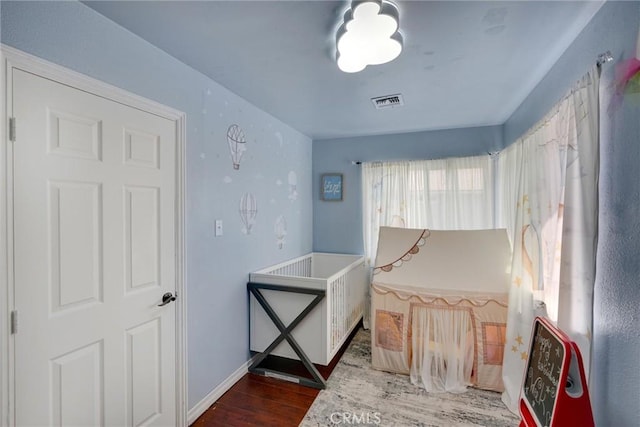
(543, 373)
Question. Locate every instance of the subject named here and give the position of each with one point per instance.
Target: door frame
(14, 59)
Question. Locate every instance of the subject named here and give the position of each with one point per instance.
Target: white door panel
(75, 236)
(94, 236)
(77, 380)
(142, 251)
(144, 373)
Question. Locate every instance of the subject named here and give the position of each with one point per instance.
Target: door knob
(166, 299)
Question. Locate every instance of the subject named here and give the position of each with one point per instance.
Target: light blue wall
(337, 226)
(615, 378)
(73, 35)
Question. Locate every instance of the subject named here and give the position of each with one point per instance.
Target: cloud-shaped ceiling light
(368, 36)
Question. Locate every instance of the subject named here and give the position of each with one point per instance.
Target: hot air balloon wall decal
(237, 144)
(293, 182)
(248, 211)
(280, 230)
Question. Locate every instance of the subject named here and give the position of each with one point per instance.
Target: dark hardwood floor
(257, 400)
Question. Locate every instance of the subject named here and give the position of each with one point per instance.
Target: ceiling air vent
(388, 101)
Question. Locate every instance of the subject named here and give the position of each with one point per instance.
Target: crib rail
(299, 267)
(346, 304)
(337, 301)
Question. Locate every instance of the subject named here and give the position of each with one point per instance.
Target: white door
(94, 231)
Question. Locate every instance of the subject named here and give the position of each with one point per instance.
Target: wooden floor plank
(254, 380)
(276, 392)
(252, 400)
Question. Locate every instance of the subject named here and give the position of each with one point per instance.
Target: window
(493, 339)
(447, 194)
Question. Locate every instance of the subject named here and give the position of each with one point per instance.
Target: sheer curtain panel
(549, 199)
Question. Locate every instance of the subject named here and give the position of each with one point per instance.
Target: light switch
(218, 231)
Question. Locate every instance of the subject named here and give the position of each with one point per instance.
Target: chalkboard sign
(554, 392)
(544, 372)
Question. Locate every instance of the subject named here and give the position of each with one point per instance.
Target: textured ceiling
(464, 63)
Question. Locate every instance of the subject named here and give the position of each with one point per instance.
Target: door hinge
(14, 322)
(12, 129)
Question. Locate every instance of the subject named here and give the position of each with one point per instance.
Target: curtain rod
(360, 162)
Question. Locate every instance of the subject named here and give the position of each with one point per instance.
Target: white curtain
(548, 182)
(447, 194)
(442, 349)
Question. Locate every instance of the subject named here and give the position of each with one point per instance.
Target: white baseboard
(201, 407)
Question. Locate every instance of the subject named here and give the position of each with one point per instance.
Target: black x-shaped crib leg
(285, 333)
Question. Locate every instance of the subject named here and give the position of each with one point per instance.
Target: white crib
(344, 278)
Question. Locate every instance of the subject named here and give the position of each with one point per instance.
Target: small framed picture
(331, 187)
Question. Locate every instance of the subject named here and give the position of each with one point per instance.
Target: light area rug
(357, 394)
